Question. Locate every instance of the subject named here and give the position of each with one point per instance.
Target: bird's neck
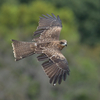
(60, 47)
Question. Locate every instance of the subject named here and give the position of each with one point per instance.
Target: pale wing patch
(13, 50)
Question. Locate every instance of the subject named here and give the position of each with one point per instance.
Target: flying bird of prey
(46, 43)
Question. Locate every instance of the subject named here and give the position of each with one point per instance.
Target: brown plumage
(46, 43)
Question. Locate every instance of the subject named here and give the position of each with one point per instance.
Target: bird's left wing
(49, 29)
(56, 67)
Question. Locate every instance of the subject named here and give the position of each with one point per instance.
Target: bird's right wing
(56, 67)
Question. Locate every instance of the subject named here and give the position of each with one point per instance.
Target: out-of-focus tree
(86, 12)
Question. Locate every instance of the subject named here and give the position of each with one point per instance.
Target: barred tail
(22, 49)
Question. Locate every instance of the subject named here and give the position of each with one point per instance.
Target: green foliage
(23, 19)
(86, 15)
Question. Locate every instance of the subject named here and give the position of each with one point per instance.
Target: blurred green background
(25, 79)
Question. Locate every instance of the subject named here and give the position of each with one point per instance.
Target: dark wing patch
(56, 67)
(42, 57)
(49, 28)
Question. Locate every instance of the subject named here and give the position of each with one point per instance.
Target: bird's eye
(61, 42)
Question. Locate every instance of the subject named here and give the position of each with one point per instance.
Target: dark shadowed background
(25, 79)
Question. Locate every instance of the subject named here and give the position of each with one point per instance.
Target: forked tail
(22, 49)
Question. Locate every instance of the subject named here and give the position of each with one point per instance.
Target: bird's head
(63, 43)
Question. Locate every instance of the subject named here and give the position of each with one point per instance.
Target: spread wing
(56, 67)
(49, 29)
